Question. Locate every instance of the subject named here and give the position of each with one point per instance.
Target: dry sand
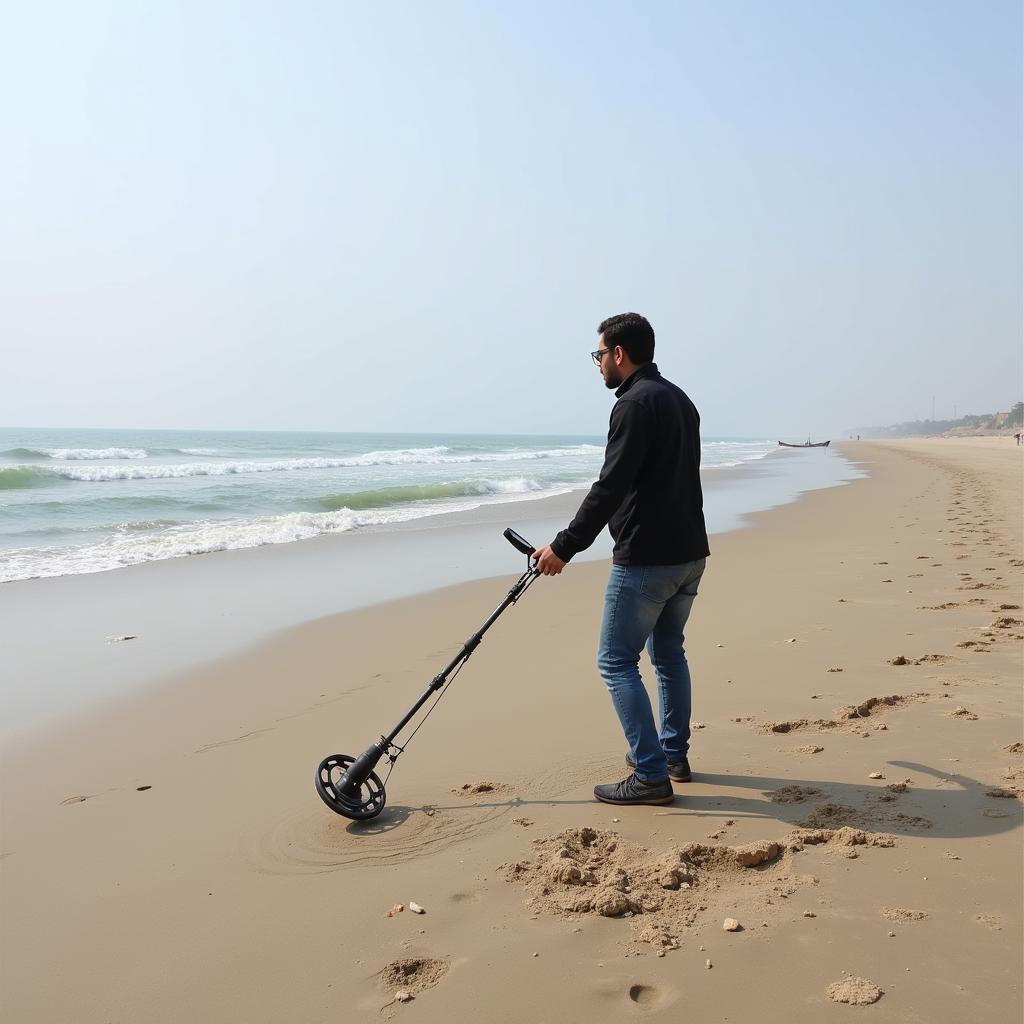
(167, 859)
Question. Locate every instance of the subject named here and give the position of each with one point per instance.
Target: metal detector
(349, 785)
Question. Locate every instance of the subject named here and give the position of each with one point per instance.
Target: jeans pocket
(660, 582)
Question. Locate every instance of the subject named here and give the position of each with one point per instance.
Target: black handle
(518, 542)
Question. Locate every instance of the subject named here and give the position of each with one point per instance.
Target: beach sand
(165, 857)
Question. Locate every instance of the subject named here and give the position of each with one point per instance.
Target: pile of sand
(874, 704)
(413, 974)
(794, 794)
(856, 991)
(592, 871)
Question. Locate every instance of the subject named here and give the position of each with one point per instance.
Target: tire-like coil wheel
(368, 804)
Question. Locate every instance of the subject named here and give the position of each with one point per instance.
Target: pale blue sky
(349, 217)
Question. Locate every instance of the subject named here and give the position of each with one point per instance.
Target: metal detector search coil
(349, 785)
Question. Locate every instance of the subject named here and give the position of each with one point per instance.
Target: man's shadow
(961, 808)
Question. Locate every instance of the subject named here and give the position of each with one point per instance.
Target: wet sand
(165, 857)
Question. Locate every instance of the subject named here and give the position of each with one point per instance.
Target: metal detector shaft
(357, 772)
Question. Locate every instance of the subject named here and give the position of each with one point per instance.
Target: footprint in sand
(646, 997)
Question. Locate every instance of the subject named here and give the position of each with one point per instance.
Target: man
(649, 495)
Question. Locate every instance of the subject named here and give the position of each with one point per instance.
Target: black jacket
(649, 491)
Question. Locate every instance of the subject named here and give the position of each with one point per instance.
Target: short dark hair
(632, 332)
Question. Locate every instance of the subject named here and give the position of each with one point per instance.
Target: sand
(165, 857)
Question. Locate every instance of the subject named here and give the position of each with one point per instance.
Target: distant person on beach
(649, 495)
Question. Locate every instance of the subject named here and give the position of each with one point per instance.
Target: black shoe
(678, 771)
(635, 791)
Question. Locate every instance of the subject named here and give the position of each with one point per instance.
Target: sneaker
(678, 771)
(635, 791)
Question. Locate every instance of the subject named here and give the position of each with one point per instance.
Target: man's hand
(547, 562)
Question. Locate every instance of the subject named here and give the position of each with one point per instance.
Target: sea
(85, 501)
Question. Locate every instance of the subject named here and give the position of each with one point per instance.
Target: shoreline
(184, 612)
(192, 804)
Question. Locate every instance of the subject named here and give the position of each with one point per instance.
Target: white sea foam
(750, 457)
(438, 456)
(86, 454)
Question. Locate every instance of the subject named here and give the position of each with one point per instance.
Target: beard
(612, 379)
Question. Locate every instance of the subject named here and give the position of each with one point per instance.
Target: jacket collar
(644, 372)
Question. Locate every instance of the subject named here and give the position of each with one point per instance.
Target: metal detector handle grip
(518, 542)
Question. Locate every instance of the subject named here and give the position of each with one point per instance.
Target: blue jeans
(649, 604)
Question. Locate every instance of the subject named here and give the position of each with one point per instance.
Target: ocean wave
(24, 453)
(752, 457)
(14, 478)
(413, 456)
(77, 454)
(124, 549)
(386, 497)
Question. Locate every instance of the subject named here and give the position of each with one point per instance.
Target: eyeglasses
(598, 355)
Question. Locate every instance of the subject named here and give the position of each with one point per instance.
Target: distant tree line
(916, 428)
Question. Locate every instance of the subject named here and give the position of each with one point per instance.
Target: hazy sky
(341, 216)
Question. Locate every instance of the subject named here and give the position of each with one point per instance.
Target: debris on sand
(476, 788)
(903, 914)
(874, 704)
(412, 974)
(912, 821)
(798, 725)
(793, 794)
(396, 910)
(730, 924)
(876, 775)
(1004, 794)
(592, 871)
(900, 660)
(809, 748)
(1014, 748)
(829, 815)
(416, 908)
(855, 991)
(962, 712)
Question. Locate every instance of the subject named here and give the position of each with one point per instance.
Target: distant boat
(806, 444)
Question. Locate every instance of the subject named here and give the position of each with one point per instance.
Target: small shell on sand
(855, 991)
(416, 908)
(876, 775)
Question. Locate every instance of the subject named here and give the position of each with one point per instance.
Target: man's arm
(629, 437)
